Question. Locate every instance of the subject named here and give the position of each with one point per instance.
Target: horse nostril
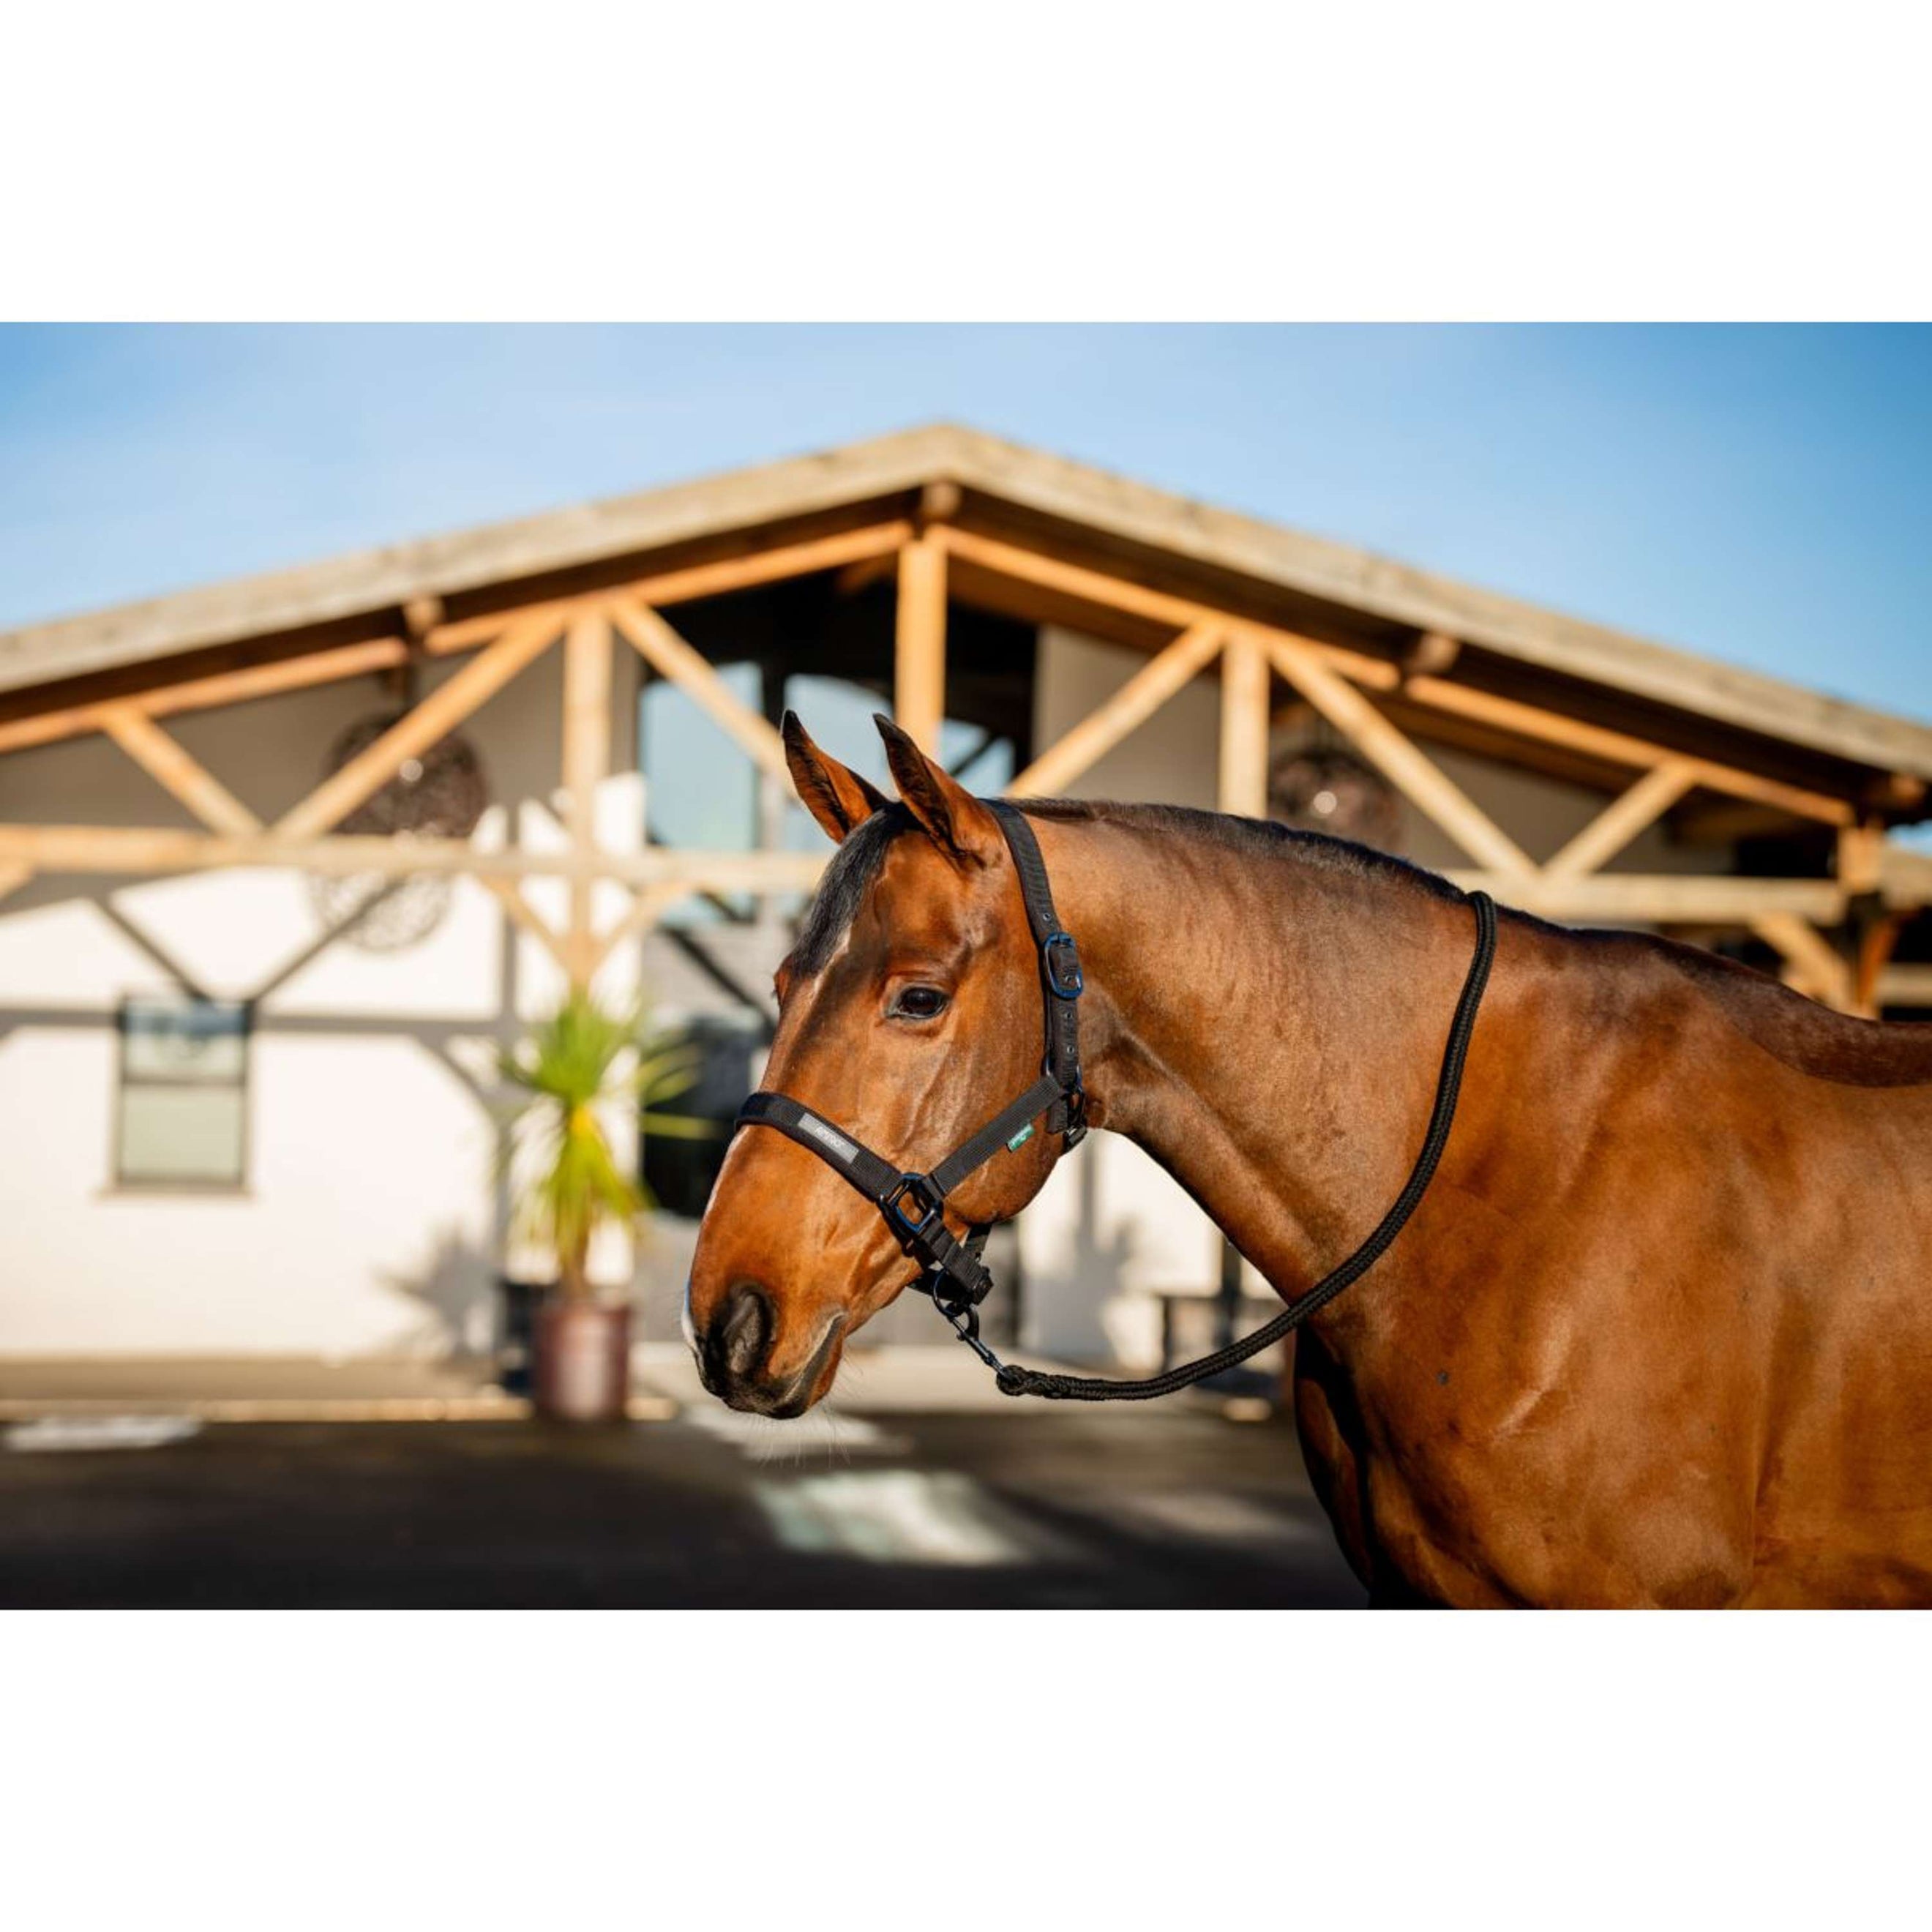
(746, 1329)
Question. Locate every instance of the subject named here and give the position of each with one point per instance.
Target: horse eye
(919, 1003)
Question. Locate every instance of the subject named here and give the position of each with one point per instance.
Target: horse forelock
(842, 889)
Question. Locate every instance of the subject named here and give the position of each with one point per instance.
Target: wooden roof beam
(206, 694)
(686, 585)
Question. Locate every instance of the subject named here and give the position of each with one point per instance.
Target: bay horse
(1661, 1331)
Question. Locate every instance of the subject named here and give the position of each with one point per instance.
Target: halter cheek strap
(954, 1275)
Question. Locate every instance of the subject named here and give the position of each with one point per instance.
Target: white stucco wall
(368, 1223)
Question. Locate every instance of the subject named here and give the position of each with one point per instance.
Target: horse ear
(841, 800)
(957, 822)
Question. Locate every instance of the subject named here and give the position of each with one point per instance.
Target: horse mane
(1253, 838)
(1810, 1039)
(842, 889)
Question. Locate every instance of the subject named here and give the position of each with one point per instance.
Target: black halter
(914, 1205)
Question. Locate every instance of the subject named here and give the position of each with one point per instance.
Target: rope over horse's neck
(1267, 1017)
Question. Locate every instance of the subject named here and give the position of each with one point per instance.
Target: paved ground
(1133, 1507)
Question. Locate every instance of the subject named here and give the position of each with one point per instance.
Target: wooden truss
(1340, 685)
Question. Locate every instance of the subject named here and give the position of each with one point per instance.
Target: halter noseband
(914, 1205)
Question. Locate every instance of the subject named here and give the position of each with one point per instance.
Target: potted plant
(575, 1069)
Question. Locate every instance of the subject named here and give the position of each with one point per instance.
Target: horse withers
(1661, 1331)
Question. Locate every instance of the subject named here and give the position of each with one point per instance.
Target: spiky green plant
(574, 1067)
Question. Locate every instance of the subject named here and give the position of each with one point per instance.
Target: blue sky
(1761, 494)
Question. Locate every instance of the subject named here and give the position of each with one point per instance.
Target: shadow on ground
(1129, 1509)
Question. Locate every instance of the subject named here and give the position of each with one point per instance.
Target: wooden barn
(282, 858)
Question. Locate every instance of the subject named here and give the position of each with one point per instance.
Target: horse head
(909, 1014)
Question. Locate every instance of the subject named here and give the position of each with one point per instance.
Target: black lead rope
(1014, 1380)
(914, 1205)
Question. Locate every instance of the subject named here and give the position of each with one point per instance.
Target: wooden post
(13, 877)
(1860, 853)
(587, 764)
(918, 669)
(1244, 727)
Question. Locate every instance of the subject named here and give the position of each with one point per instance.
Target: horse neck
(1267, 1024)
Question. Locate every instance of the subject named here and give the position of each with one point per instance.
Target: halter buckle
(1067, 982)
(912, 1188)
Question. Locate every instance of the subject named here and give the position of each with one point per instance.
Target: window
(701, 791)
(680, 1168)
(184, 1114)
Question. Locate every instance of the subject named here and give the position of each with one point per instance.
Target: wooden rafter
(1905, 986)
(1093, 586)
(646, 907)
(523, 915)
(1875, 949)
(1424, 783)
(670, 657)
(418, 730)
(686, 585)
(918, 652)
(1814, 966)
(1080, 748)
(171, 767)
(1612, 829)
(204, 694)
(1659, 899)
(1525, 720)
(137, 849)
(1618, 748)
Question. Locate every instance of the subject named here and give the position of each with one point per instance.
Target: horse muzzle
(734, 1351)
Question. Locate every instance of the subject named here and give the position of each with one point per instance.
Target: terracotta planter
(582, 1360)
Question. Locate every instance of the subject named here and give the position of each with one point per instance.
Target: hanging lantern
(1324, 786)
(440, 793)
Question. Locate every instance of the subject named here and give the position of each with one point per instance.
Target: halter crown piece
(914, 1204)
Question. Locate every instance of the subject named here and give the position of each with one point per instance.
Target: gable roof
(1127, 517)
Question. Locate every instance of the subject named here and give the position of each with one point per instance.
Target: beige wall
(1111, 1228)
